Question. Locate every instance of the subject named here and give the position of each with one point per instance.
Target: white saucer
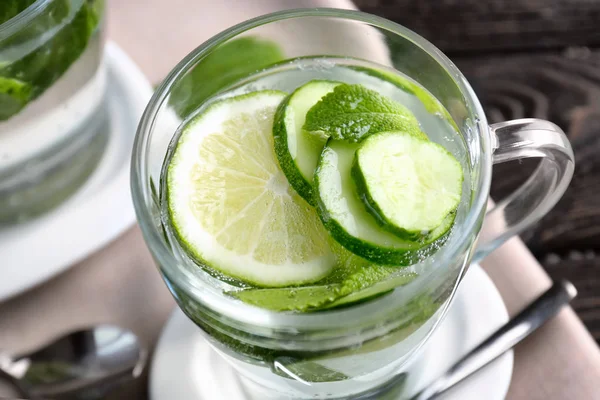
(186, 368)
(99, 211)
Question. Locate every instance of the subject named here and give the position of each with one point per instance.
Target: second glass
(53, 118)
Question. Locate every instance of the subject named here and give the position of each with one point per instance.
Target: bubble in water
(302, 66)
(318, 64)
(252, 87)
(324, 64)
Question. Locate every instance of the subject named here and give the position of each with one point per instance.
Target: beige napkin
(121, 285)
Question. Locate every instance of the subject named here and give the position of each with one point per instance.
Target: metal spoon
(83, 364)
(505, 338)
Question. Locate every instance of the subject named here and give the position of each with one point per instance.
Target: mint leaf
(11, 8)
(14, 95)
(224, 66)
(289, 299)
(372, 282)
(352, 112)
(431, 104)
(354, 279)
(40, 30)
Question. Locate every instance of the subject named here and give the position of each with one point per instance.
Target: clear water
(367, 364)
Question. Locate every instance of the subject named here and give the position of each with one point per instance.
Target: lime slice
(230, 204)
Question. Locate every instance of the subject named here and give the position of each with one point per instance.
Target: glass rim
(23, 18)
(248, 315)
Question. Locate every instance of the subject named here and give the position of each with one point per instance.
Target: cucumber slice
(298, 150)
(408, 184)
(347, 219)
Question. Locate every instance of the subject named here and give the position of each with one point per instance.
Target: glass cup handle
(515, 140)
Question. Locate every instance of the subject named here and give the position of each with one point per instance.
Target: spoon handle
(505, 338)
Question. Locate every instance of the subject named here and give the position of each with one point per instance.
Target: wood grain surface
(532, 58)
(563, 87)
(491, 25)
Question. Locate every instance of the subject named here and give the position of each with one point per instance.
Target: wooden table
(533, 58)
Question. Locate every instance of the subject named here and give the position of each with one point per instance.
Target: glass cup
(368, 348)
(53, 119)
